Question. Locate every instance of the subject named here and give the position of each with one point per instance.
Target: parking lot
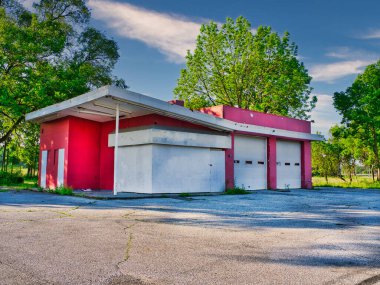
(329, 236)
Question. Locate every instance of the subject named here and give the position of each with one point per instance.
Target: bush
(7, 178)
(236, 191)
(62, 190)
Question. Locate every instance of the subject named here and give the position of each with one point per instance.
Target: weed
(63, 190)
(184, 195)
(236, 191)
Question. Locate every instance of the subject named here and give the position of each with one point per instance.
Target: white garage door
(250, 162)
(288, 164)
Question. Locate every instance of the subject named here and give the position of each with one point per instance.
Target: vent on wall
(236, 161)
(260, 162)
(297, 164)
(287, 163)
(248, 162)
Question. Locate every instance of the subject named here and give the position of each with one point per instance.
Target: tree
(48, 56)
(347, 147)
(325, 158)
(230, 65)
(359, 107)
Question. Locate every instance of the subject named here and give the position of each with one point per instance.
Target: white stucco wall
(135, 169)
(170, 169)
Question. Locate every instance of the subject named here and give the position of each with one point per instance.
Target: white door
(217, 170)
(43, 168)
(61, 167)
(250, 162)
(288, 164)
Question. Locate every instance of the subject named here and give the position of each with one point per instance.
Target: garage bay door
(288, 164)
(250, 165)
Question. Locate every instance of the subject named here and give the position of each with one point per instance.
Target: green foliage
(359, 107)
(7, 178)
(233, 66)
(63, 190)
(325, 159)
(236, 191)
(47, 56)
(184, 195)
(357, 182)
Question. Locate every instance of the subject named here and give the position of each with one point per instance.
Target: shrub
(63, 190)
(236, 191)
(7, 178)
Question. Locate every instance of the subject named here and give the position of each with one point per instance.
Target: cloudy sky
(337, 39)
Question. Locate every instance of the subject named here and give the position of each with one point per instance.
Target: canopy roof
(100, 105)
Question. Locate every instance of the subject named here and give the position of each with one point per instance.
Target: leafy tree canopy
(231, 65)
(49, 55)
(359, 106)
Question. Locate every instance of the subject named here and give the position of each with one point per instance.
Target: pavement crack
(370, 281)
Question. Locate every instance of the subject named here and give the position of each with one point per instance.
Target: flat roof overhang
(100, 105)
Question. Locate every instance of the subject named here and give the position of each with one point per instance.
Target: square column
(229, 158)
(306, 176)
(272, 163)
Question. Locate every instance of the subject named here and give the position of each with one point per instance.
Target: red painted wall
(272, 163)
(257, 118)
(83, 154)
(229, 166)
(53, 136)
(306, 176)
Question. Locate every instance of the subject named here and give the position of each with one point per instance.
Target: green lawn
(28, 183)
(359, 182)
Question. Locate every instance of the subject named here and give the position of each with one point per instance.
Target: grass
(357, 182)
(236, 191)
(29, 182)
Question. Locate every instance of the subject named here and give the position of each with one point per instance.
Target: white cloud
(348, 53)
(171, 34)
(324, 115)
(332, 71)
(373, 34)
(28, 4)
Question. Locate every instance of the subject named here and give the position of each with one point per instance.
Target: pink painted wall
(83, 154)
(53, 136)
(229, 166)
(272, 163)
(257, 118)
(306, 176)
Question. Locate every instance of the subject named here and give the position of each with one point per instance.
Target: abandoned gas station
(115, 139)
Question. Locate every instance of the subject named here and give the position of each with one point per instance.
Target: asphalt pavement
(329, 236)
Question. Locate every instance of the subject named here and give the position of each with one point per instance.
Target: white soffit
(100, 105)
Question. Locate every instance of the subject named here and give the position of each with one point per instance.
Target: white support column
(115, 152)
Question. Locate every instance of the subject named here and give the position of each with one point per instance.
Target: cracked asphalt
(329, 236)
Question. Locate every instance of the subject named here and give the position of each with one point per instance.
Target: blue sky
(336, 39)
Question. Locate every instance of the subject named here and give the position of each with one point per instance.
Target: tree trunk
(373, 173)
(4, 156)
(11, 129)
(376, 153)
